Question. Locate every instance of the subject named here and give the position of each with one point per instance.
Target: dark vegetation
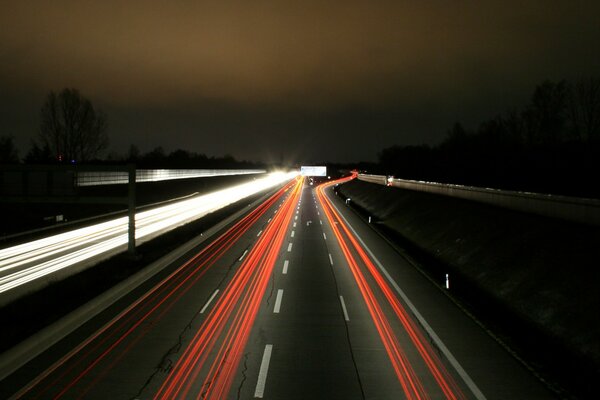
(552, 145)
(73, 131)
(531, 280)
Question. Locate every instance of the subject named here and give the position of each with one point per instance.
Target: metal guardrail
(574, 209)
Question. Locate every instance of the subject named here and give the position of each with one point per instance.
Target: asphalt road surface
(300, 299)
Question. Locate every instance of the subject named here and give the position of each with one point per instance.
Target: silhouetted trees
(179, 158)
(8, 150)
(584, 110)
(551, 145)
(39, 154)
(71, 127)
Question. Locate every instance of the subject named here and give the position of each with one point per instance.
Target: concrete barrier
(572, 209)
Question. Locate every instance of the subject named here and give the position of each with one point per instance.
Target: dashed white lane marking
(258, 234)
(330, 259)
(278, 301)
(297, 211)
(296, 217)
(293, 233)
(243, 255)
(290, 247)
(294, 224)
(262, 373)
(344, 308)
(324, 236)
(286, 263)
(321, 222)
(209, 301)
(269, 220)
(436, 339)
(318, 213)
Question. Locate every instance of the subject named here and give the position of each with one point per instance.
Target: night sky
(271, 80)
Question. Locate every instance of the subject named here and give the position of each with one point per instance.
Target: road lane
(494, 372)
(311, 356)
(131, 355)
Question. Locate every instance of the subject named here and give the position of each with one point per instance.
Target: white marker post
(447, 282)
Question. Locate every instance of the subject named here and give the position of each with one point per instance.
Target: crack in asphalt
(166, 363)
(244, 377)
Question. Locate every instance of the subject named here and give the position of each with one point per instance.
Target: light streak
(227, 327)
(122, 332)
(27, 262)
(96, 178)
(408, 379)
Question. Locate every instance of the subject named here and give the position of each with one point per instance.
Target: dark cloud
(305, 79)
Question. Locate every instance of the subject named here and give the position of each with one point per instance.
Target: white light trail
(95, 178)
(27, 262)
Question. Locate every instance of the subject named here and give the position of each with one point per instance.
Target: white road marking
(290, 247)
(269, 220)
(278, 301)
(344, 309)
(209, 300)
(243, 255)
(294, 224)
(321, 222)
(330, 259)
(286, 263)
(297, 212)
(451, 359)
(264, 370)
(293, 233)
(296, 217)
(324, 236)
(258, 234)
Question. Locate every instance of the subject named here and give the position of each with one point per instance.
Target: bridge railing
(568, 208)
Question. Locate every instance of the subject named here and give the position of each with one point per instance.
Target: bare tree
(584, 109)
(71, 127)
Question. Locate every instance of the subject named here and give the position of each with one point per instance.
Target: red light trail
(242, 297)
(409, 380)
(75, 374)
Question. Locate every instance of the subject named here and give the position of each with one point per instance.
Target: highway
(299, 299)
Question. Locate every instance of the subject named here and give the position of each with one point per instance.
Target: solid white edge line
(278, 301)
(344, 308)
(243, 255)
(209, 301)
(290, 247)
(286, 263)
(330, 259)
(264, 370)
(453, 361)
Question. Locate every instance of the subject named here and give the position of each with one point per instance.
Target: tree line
(73, 131)
(552, 145)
